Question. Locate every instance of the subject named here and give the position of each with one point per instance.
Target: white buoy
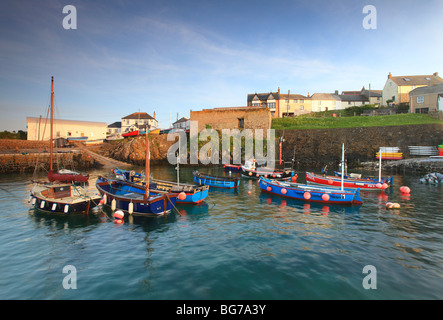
(54, 205)
(113, 204)
(130, 208)
(42, 204)
(66, 208)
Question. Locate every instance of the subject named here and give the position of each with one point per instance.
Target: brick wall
(11, 144)
(228, 118)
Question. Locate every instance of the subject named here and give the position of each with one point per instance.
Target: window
(271, 105)
(241, 123)
(422, 110)
(420, 99)
(302, 100)
(295, 101)
(302, 108)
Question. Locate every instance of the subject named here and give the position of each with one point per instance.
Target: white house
(182, 124)
(137, 120)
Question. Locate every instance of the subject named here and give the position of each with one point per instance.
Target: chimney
(278, 90)
(436, 74)
(154, 114)
(389, 75)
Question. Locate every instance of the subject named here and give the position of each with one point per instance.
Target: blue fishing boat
(134, 199)
(186, 193)
(216, 181)
(232, 167)
(306, 192)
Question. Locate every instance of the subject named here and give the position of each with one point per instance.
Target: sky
(173, 56)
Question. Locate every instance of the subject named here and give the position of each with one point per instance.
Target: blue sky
(169, 57)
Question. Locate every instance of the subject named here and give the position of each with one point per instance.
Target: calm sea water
(240, 244)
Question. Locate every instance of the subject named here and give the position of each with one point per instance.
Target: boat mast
(52, 124)
(379, 165)
(148, 158)
(342, 164)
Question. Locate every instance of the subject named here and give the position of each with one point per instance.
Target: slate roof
(183, 119)
(423, 80)
(263, 96)
(428, 90)
(138, 115)
(353, 97)
(325, 96)
(117, 124)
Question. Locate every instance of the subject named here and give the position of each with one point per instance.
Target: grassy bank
(307, 122)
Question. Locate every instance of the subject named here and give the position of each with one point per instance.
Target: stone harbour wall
(318, 147)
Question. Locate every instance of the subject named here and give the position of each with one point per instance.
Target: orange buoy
(330, 181)
(294, 178)
(269, 188)
(325, 197)
(182, 196)
(405, 189)
(283, 191)
(307, 195)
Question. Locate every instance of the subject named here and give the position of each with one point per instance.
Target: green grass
(306, 122)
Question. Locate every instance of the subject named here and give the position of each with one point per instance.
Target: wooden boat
(348, 182)
(77, 138)
(61, 197)
(130, 134)
(135, 199)
(232, 167)
(387, 180)
(193, 194)
(216, 181)
(250, 170)
(306, 192)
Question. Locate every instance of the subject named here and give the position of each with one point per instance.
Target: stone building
(397, 88)
(426, 99)
(233, 118)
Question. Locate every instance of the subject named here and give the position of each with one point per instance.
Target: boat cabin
(57, 192)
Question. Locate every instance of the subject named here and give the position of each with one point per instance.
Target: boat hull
(263, 172)
(335, 182)
(308, 193)
(130, 198)
(67, 204)
(215, 181)
(232, 167)
(194, 194)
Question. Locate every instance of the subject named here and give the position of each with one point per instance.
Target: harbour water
(240, 244)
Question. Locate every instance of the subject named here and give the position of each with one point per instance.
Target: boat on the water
(186, 193)
(310, 193)
(350, 182)
(60, 194)
(136, 199)
(216, 181)
(232, 167)
(251, 170)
